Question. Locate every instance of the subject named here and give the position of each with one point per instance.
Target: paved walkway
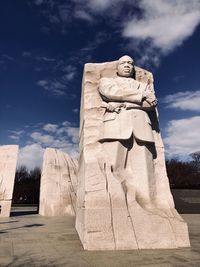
(32, 240)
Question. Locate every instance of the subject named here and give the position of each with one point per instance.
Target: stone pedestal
(8, 161)
(109, 216)
(58, 184)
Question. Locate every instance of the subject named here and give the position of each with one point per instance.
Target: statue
(123, 197)
(126, 120)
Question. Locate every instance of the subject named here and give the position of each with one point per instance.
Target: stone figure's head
(125, 67)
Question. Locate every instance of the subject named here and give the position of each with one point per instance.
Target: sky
(45, 44)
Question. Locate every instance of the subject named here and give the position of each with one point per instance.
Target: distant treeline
(181, 174)
(184, 174)
(27, 186)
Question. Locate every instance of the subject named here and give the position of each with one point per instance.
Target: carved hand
(115, 107)
(150, 98)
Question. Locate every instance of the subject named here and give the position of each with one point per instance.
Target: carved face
(125, 67)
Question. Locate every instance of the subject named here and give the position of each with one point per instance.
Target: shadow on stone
(186, 208)
(23, 261)
(187, 201)
(20, 227)
(23, 213)
(33, 225)
(8, 222)
(23, 210)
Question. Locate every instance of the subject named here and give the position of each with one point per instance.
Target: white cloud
(56, 88)
(49, 127)
(39, 2)
(188, 100)
(26, 54)
(165, 23)
(73, 132)
(155, 27)
(66, 123)
(54, 19)
(17, 132)
(100, 5)
(69, 76)
(15, 135)
(64, 13)
(61, 75)
(5, 59)
(85, 10)
(47, 59)
(62, 136)
(178, 78)
(150, 55)
(84, 55)
(31, 156)
(69, 68)
(5, 56)
(82, 14)
(75, 110)
(69, 72)
(158, 28)
(41, 58)
(42, 83)
(44, 139)
(182, 136)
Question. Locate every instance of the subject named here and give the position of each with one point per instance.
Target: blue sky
(45, 44)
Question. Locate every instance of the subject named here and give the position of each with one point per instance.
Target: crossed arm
(133, 92)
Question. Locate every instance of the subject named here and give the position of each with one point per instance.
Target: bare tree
(183, 174)
(27, 185)
(196, 160)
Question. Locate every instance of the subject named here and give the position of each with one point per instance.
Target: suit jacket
(117, 126)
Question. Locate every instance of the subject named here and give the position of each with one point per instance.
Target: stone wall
(58, 184)
(8, 161)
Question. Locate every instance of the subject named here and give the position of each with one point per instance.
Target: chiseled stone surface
(8, 161)
(58, 184)
(111, 211)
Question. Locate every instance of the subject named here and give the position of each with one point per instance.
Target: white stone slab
(8, 162)
(58, 184)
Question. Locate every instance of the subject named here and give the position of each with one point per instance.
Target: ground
(27, 239)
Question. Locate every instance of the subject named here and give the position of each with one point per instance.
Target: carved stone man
(127, 134)
(123, 196)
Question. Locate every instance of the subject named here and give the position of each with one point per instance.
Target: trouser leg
(132, 164)
(140, 163)
(115, 154)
